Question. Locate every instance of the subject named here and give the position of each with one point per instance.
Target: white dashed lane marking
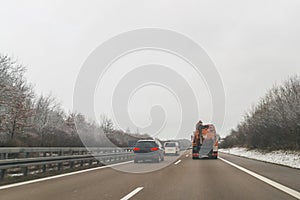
(131, 194)
(177, 162)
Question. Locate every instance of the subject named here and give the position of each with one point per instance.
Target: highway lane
(288, 176)
(188, 179)
(148, 166)
(208, 179)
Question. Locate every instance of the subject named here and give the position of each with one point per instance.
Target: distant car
(171, 148)
(148, 150)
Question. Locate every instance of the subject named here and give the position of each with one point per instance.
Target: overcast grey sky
(253, 44)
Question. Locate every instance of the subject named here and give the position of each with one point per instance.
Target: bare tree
(30, 120)
(106, 124)
(15, 98)
(47, 114)
(274, 123)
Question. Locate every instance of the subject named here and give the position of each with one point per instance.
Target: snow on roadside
(287, 158)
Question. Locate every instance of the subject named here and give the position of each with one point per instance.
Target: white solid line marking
(131, 194)
(61, 175)
(177, 162)
(283, 188)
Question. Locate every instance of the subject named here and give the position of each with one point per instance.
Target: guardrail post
(2, 174)
(44, 168)
(26, 154)
(59, 166)
(71, 163)
(25, 171)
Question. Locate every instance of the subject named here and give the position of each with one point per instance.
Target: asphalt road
(175, 178)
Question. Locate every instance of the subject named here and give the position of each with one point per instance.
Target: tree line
(28, 119)
(274, 123)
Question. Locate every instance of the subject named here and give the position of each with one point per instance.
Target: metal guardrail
(24, 161)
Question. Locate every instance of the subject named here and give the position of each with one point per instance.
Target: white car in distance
(171, 148)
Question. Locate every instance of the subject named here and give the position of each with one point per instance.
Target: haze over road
(183, 179)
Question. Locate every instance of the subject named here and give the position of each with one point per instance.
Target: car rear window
(146, 144)
(170, 145)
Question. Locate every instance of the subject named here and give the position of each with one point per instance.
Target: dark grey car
(148, 150)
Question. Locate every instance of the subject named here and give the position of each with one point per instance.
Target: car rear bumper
(171, 150)
(171, 153)
(146, 156)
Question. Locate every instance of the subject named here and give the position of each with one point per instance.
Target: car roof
(146, 141)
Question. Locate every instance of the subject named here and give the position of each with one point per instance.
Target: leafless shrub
(274, 123)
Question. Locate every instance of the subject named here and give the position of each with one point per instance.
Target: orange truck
(205, 144)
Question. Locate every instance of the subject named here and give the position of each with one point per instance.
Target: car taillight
(136, 149)
(154, 149)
